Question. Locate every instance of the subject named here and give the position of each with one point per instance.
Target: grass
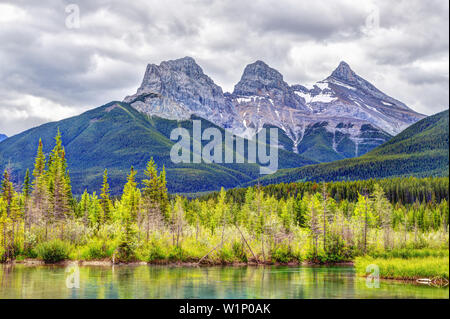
(96, 249)
(53, 251)
(411, 253)
(410, 268)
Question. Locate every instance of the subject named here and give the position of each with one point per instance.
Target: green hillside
(420, 150)
(320, 144)
(116, 136)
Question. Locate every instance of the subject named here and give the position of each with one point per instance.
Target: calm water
(201, 282)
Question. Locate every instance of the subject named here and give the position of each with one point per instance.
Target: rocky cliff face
(260, 80)
(341, 116)
(177, 89)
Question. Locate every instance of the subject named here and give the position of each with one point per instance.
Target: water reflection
(22, 281)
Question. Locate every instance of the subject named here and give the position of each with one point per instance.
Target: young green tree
(58, 184)
(129, 208)
(154, 196)
(222, 212)
(4, 224)
(7, 192)
(26, 192)
(95, 212)
(39, 195)
(83, 208)
(105, 201)
(314, 208)
(13, 213)
(324, 214)
(177, 221)
(383, 210)
(365, 218)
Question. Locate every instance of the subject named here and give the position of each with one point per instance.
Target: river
(142, 281)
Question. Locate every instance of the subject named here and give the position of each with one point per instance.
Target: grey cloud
(105, 59)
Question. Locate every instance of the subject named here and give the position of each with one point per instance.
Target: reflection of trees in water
(200, 282)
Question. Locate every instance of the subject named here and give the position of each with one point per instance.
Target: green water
(22, 281)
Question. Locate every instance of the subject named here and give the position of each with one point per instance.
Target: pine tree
(6, 192)
(151, 195)
(26, 191)
(129, 210)
(4, 223)
(58, 184)
(365, 217)
(324, 214)
(155, 197)
(177, 221)
(314, 208)
(12, 212)
(105, 201)
(383, 210)
(84, 208)
(95, 212)
(221, 211)
(40, 194)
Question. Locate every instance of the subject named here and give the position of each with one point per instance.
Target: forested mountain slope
(420, 150)
(116, 136)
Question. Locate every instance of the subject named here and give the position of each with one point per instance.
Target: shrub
(125, 252)
(226, 255)
(2, 255)
(283, 254)
(156, 252)
(176, 254)
(336, 250)
(53, 251)
(239, 251)
(97, 249)
(29, 245)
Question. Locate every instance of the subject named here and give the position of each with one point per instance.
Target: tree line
(320, 222)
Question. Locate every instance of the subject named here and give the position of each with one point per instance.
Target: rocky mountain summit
(339, 117)
(177, 89)
(260, 80)
(3, 137)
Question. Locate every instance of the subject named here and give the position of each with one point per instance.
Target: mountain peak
(185, 60)
(258, 76)
(344, 72)
(259, 63)
(185, 65)
(261, 69)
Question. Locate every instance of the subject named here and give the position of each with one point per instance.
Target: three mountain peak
(343, 102)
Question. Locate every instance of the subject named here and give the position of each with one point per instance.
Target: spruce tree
(26, 191)
(129, 209)
(154, 195)
(105, 201)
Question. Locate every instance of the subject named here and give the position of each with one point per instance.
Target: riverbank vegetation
(286, 223)
(409, 264)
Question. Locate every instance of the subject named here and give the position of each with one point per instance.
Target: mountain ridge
(343, 104)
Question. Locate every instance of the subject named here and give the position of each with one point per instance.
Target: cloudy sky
(53, 65)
